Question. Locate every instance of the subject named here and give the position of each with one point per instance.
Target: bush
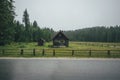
(22, 46)
(50, 46)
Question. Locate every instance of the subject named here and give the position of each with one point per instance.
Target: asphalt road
(59, 69)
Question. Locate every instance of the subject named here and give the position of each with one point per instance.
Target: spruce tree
(26, 21)
(7, 15)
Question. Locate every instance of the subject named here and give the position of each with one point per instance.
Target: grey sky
(70, 14)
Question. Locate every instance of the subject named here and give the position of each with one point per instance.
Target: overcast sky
(70, 14)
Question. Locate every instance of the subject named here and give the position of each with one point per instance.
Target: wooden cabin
(60, 40)
(41, 42)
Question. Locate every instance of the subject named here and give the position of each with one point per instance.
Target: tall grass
(14, 49)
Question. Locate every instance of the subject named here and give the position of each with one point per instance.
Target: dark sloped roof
(60, 33)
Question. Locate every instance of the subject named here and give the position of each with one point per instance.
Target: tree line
(12, 30)
(96, 34)
(30, 32)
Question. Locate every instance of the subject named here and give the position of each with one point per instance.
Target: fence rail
(59, 52)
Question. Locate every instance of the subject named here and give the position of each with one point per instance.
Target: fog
(70, 14)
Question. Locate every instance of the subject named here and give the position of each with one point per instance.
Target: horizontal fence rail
(59, 52)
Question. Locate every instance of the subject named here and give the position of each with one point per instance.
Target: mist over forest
(12, 30)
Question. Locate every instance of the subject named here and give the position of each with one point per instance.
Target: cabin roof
(62, 35)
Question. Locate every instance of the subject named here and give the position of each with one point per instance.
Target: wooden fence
(59, 52)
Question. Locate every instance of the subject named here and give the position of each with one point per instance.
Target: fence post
(108, 52)
(33, 52)
(89, 52)
(43, 52)
(3, 51)
(53, 52)
(21, 52)
(72, 52)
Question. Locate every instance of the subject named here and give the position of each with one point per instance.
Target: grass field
(81, 49)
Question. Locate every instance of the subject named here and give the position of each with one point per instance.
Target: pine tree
(7, 15)
(26, 21)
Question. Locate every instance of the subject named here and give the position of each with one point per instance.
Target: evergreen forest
(12, 30)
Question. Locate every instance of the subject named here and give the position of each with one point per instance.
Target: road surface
(59, 69)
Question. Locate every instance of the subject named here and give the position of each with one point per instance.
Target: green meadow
(75, 49)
